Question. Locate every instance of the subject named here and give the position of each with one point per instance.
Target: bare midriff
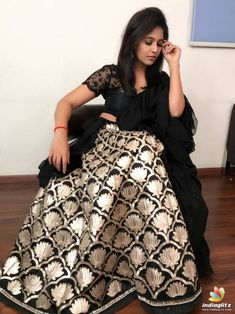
(108, 116)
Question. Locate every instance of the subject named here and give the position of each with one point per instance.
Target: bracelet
(60, 127)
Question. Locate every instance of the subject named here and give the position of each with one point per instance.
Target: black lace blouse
(106, 82)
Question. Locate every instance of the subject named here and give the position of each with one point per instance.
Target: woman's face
(150, 47)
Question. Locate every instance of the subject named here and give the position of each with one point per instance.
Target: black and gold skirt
(103, 235)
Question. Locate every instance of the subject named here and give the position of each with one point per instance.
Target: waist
(108, 116)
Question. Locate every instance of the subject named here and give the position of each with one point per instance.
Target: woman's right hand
(59, 153)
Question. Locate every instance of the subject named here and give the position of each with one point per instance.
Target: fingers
(169, 47)
(59, 162)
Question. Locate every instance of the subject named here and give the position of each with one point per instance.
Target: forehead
(156, 33)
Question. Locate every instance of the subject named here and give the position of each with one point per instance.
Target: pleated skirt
(103, 235)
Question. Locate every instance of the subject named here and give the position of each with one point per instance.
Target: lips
(152, 57)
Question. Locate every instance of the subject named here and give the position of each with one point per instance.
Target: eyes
(160, 42)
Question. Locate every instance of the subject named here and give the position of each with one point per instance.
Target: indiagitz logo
(216, 297)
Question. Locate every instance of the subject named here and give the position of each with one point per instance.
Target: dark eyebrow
(153, 38)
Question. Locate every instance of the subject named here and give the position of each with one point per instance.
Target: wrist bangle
(60, 127)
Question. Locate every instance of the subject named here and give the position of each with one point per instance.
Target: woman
(112, 230)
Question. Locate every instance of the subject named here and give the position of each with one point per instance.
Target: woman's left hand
(171, 52)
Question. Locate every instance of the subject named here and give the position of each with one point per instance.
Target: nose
(154, 48)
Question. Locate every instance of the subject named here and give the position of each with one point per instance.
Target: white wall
(49, 47)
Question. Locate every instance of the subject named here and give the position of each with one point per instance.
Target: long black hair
(141, 24)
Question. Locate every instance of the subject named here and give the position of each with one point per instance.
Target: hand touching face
(171, 52)
(150, 47)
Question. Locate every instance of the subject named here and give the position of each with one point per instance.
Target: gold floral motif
(96, 222)
(26, 261)
(84, 277)
(140, 287)
(124, 269)
(121, 142)
(80, 305)
(160, 146)
(71, 258)
(113, 157)
(61, 293)
(151, 241)
(171, 202)
(122, 240)
(109, 233)
(111, 262)
(48, 200)
(146, 206)
(11, 266)
(43, 302)
(129, 192)
(134, 222)
(24, 237)
(97, 257)
(105, 201)
(170, 257)
(180, 235)
(52, 220)
(54, 270)
(95, 163)
(112, 139)
(133, 145)
(37, 230)
(139, 174)
(154, 277)
(90, 157)
(92, 189)
(83, 178)
(155, 187)
(163, 222)
(36, 209)
(78, 225)
(147, 156)
(63, 238)
(119, 211)
(100, 147)
(43, 250)
(137, 256)
(151, 140)
(85, 242)
(102, 171)
(32, 284)
(161, 170)
(115, 181)
(176, 289)
(14, 287)
(106, 152)
(114, 288)
(63, 191)
(190, 270)
(124, 162)
(87, 208)
(70, 208)
(98, 290)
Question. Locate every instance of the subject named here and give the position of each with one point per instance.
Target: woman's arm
(59, 152)
(176, 96)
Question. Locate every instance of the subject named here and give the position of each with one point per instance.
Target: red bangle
(61, 127)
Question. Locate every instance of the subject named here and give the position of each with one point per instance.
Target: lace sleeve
(99, 81)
